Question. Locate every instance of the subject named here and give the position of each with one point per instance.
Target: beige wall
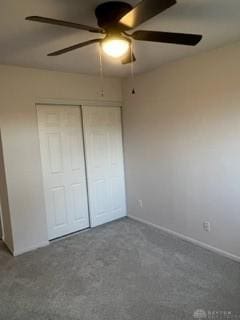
(5, 223)
(20, 89)
(182, 147)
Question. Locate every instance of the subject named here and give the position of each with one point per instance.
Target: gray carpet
(121, 271)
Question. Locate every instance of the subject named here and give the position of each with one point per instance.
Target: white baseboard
(189, 239)
(28, 249)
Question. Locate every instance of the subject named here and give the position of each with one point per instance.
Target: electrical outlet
(206, 226)
(140, 203)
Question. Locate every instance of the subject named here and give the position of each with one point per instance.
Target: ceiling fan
(115, 19)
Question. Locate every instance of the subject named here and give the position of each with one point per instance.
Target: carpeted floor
(124, 270)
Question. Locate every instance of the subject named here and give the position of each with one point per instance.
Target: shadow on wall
(5, 212)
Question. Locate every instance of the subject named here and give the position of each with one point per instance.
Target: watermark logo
(200, 314)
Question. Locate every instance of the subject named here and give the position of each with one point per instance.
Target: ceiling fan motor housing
(109, 13)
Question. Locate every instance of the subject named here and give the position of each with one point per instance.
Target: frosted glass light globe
(115, 48)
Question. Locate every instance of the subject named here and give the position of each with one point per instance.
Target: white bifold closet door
(63, 164)
(104, 160)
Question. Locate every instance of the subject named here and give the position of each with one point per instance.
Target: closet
(82, 165)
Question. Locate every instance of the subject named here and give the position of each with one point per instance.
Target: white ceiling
(26, 43)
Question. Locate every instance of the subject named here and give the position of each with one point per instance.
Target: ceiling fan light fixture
(115, 47)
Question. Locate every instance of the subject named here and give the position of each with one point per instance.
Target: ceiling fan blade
(74, 47)
(64, 24)
(167, 37)
(145, 10)
(129, 58)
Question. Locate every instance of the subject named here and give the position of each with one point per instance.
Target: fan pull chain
(132, 70)
(101, 70)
